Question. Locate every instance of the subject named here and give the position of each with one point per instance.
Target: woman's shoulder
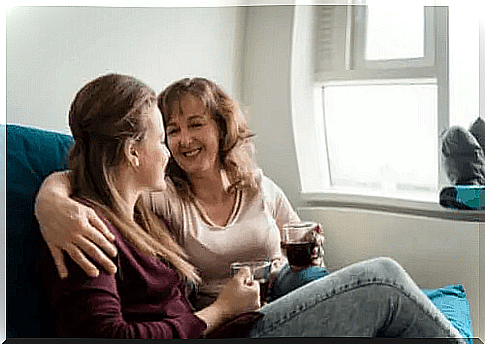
(168, 205)
(266, 187)
(269, 187)
(262, 179)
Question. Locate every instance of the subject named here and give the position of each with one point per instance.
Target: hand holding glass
(260, 271)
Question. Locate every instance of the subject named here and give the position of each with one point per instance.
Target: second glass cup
(260, 271)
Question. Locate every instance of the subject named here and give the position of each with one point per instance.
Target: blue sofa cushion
(31, 155)
(451, 300)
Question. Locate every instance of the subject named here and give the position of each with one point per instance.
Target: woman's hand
(241, 294)
(316, 235)
(67, 225)
(276, 266)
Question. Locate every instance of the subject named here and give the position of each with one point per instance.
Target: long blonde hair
(235, 147)
(106, 115)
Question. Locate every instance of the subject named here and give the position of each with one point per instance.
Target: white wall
(266, 93)
(53, 51)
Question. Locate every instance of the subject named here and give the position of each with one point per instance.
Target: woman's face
(153, 154)
(193, 137)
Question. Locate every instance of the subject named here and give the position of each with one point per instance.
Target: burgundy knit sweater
(144, 299)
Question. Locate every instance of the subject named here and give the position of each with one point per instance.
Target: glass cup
(302, 243)
(260, 271)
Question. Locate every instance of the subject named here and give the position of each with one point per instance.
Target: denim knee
(388, 263)
(388, 267)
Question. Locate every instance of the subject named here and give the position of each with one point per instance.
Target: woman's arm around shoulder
(67, 225)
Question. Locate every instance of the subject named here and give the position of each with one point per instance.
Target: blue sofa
(31, 155)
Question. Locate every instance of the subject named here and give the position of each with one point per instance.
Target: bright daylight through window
(390, 144)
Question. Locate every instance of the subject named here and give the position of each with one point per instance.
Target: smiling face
(193, 137)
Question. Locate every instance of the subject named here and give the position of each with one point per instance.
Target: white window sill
(417, 204)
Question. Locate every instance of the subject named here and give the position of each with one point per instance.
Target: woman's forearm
(67, 225)
(56, 186)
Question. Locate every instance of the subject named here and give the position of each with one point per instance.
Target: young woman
(117, 156)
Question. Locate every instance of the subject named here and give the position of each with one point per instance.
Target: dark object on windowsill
(464, 161)
(463, 156)
(468, 197)
(477, 129)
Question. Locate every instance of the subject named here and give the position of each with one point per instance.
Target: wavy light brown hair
(107, 115)
(235, 148)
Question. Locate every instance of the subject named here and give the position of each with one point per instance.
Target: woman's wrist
(214, 315)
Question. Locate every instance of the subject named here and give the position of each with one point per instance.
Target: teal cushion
(472, 196)
(451, 300)
(31, 155)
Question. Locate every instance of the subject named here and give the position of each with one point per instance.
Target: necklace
(234, 204)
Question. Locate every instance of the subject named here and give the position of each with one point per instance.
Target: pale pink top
(252, 232)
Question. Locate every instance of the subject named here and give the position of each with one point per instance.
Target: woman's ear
(132, 154)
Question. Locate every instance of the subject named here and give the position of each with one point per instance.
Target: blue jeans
(373, 298)
(288, 281)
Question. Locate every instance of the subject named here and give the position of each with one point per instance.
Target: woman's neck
(209, 187)
(129, 194)
(216, 203)
(129, 201)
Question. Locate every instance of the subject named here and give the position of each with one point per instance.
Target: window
(384, 24)
(378, 92)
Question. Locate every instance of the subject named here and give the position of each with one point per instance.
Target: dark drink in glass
(302, 243)
(299, 254)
